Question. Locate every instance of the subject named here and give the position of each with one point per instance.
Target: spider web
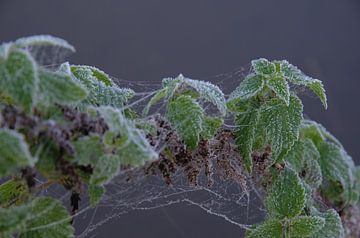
(237, 201)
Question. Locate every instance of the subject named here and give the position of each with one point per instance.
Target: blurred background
(151, 39)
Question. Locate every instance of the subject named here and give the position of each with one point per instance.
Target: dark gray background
(152, 39)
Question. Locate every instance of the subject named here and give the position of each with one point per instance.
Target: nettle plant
(72, 126)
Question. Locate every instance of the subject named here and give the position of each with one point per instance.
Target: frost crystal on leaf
(270, 229)
(282, 124)
(246, 126)
(14, 152)
(333, 227)
(283, 202)
(43, 40)
(186, 116)
(294, 75)
(133, 148)
(19, 79)
(280, 87)
(305, 226)
(263, 66)
(47, 217)
(248, 88)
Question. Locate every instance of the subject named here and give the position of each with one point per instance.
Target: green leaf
(294, 75)
(304, 226)
(100, 93)
(43, 40)
(57, 87)
(246, 126)
(13, 191)
(302, 151)
(280, 87)
(47, 162)
(155, 99)
(95, 194)
(248, 88)
(186, 117)
(88, 149)
(14, 152)
(318, 88)
(317, 133)
(282, 124)
(100, 75)
(105, 169)
(132, 147)
(47, 217)
(283, 202)
(333, 226)
(310, 150)
(209, 92)
(270, 229)
(312, 173)
(4, 50)
(206, 90)
(263, 66)
(296, 156)
(18, 78)
(210, 126)
(12, 219)
(336, 166)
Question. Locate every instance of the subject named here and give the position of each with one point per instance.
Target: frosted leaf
(294, 75)
(310, 150)
(46, 50)
(270, 229)
(155, 99)
(43, 40)
(333, 226)
(296, 156)
(311, 131)
(248, 88)
(280, 87)
(95, 194)
(246, 126)
(335, 166)
(100, 75)
(209, 92)
(57, 87)
(206, 90)
(13, 191)
(313, 175)
(304, 226)
(14, 152)
(88, 149)
(283, 202)
(282, 124)
(263, 66)
(4, 50)
(303, 152)
(18, 78)
(186, 117)
(317, 133)
(47, 217)
(210, 126)
(12, 219)
(318, 88)
(105, 169)
(134, 149)
(100, 91)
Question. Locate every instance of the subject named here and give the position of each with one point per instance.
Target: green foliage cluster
(77, 116)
